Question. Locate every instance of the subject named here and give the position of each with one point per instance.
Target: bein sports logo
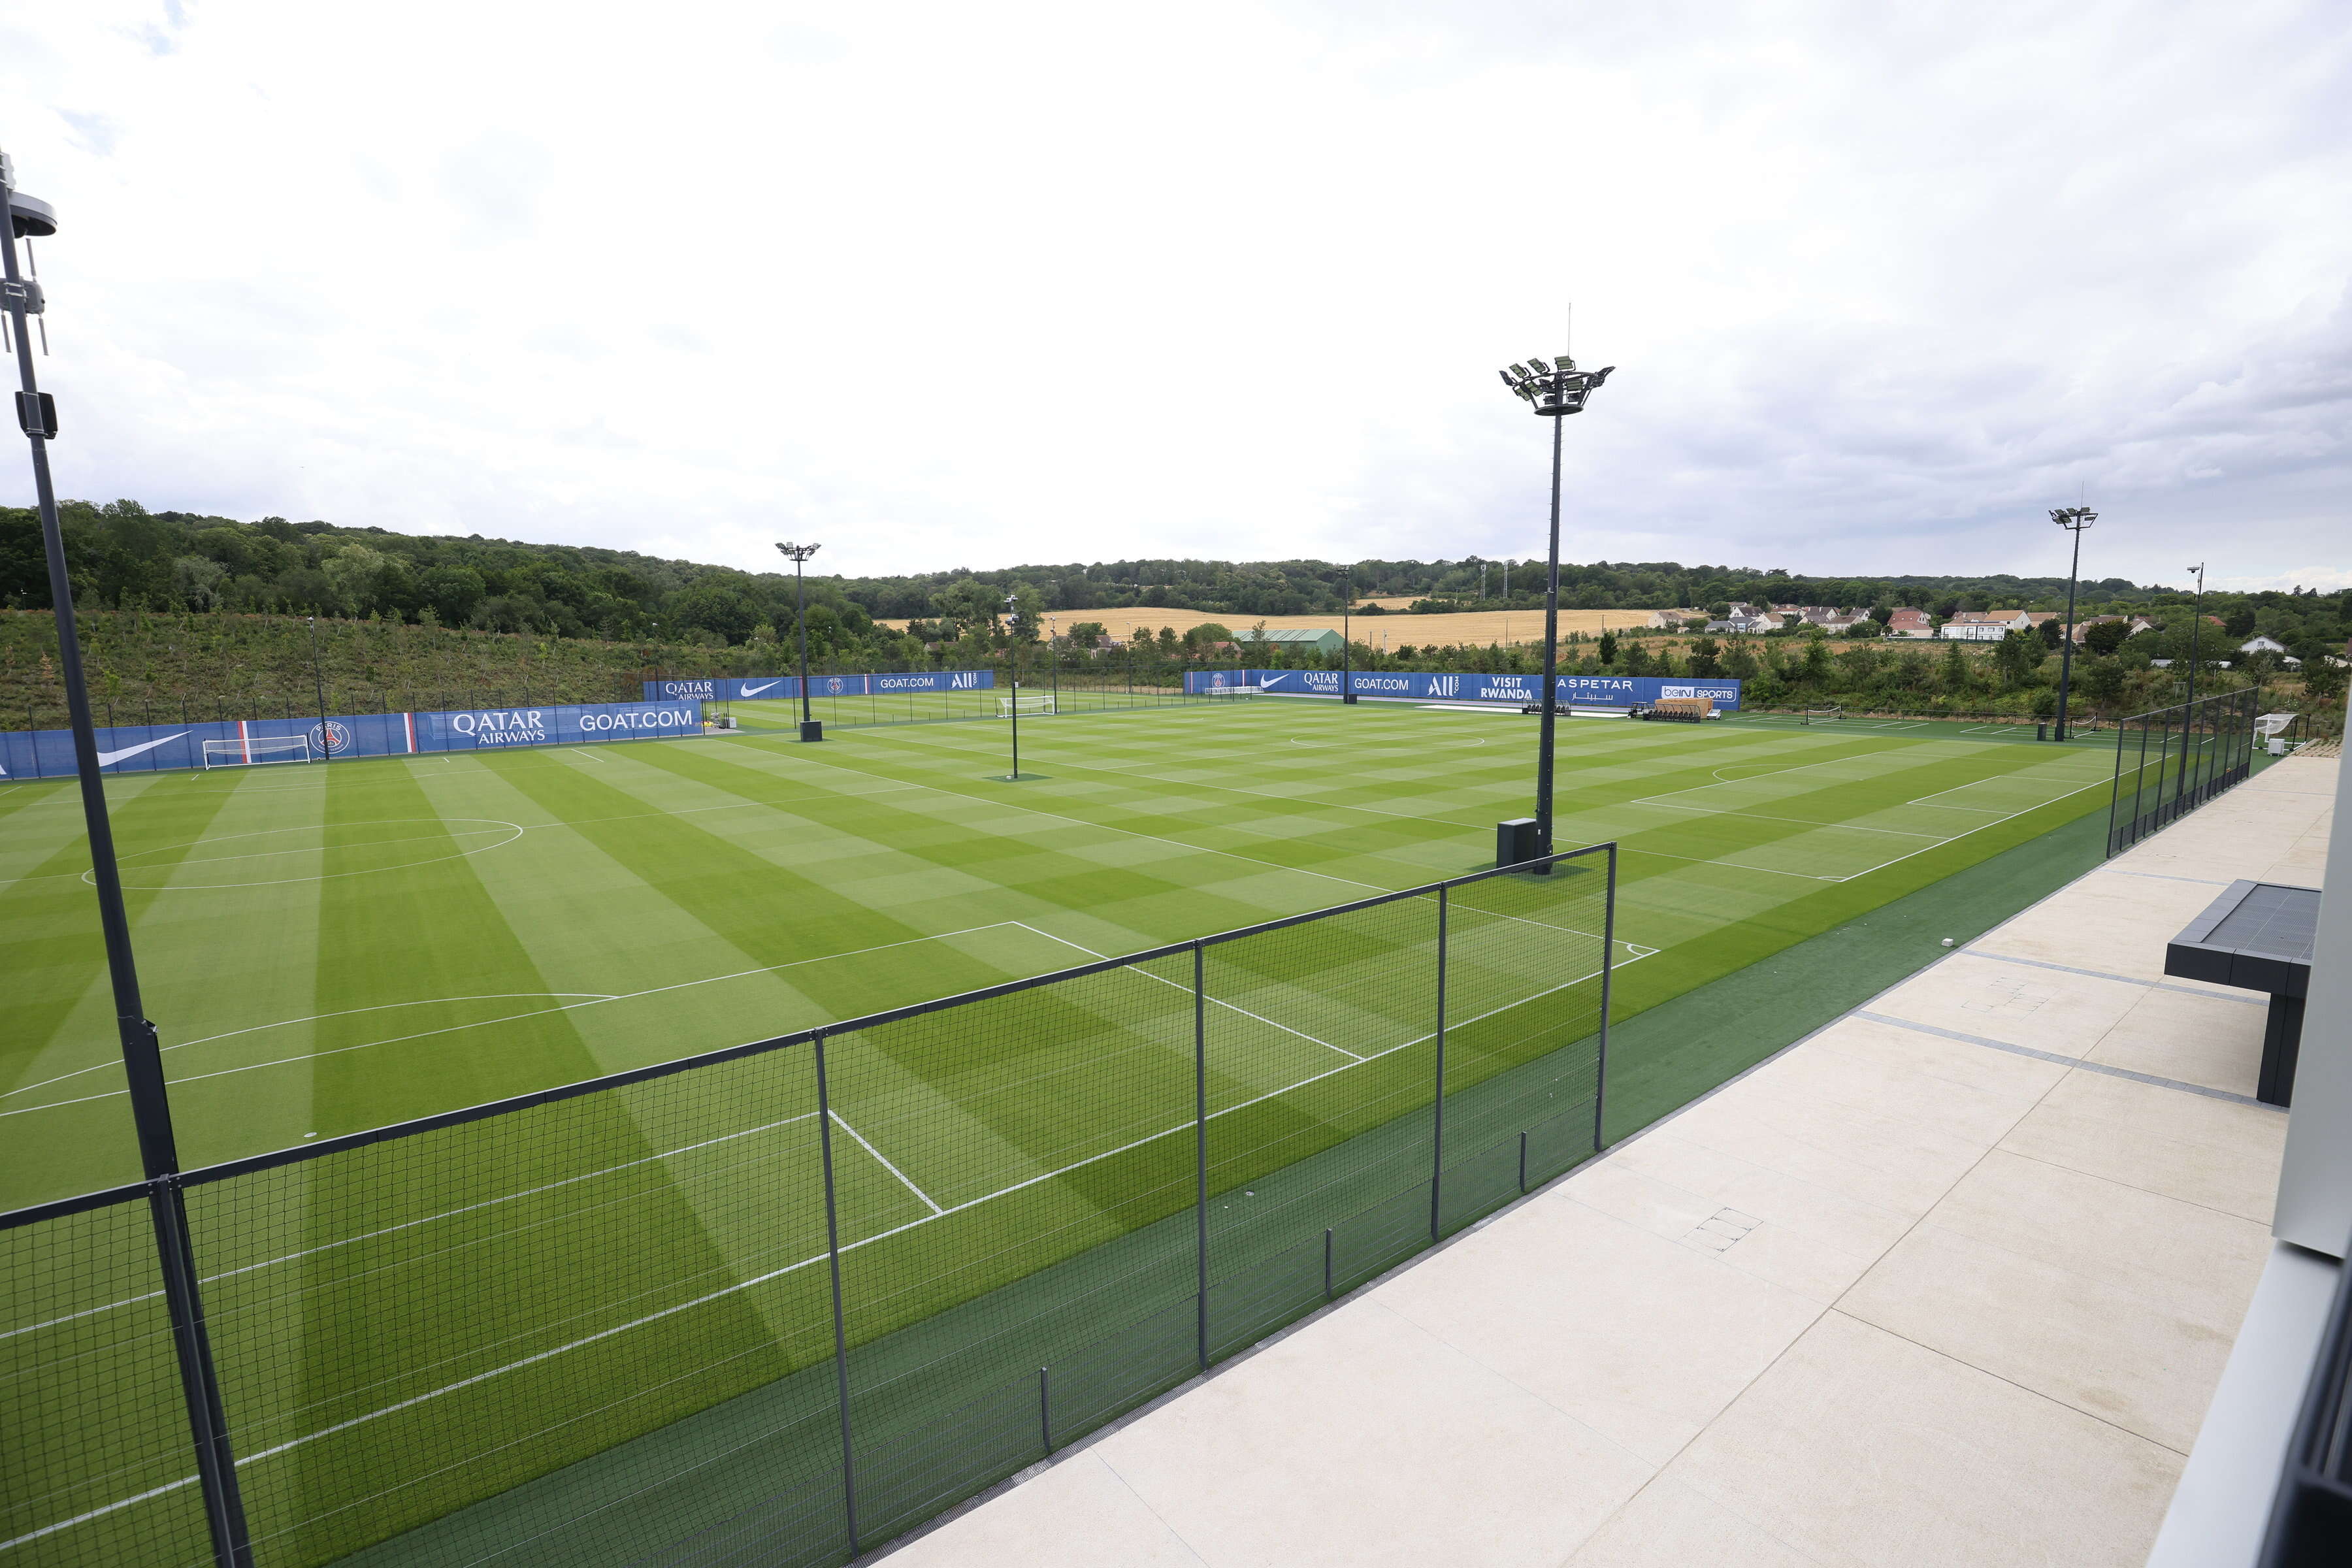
(332, 739)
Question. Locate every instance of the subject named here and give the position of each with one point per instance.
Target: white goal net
(251, 754)
(1229, 691)
(1024, 702)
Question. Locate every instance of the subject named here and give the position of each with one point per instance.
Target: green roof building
(1321, 641)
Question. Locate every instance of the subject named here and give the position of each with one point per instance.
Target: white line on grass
(1138, 969)
(927, 1201)
(725, 1290)
(1996, 822)
(454, 1028)
(426, 1219)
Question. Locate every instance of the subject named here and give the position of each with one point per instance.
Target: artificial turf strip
(723, 890)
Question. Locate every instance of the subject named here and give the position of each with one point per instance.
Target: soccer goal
(252, 753)
(1024, 702)
(1229, 691)
(1823, 715)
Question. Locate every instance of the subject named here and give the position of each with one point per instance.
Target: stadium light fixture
(21, 300)
(1553, 390)
(810, 728)
(2074, 519)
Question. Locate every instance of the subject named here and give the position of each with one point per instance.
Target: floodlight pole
(2196, 624)
(1013, 663)
(143, 1058)
(810, 728)
(1347, 636)
(1555, 389)
(2074, 519)
(1551, 663)
(319, 684)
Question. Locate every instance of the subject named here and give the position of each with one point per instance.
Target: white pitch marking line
(1956, 837)
(1137, 969)
(453, 1028)
(887, 1165)
(423, 1219)
(762, 1279)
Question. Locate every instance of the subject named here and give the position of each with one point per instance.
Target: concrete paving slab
(1862, 1448)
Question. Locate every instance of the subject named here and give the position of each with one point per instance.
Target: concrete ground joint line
(2081, 1064)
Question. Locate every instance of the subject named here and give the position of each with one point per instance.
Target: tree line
(122, 556)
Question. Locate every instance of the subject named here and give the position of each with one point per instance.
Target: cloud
(948, 285)
(93, 133)
(496, 181)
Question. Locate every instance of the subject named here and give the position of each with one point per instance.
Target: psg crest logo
(331, 739)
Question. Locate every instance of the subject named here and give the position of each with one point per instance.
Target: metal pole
(799, 617)
(2066, 648)
(1437, 1103)
(1046, 1408)
(1608, 972)
(1550, 668)
(1347, 638)
(142, 1060)
(318, 682)
(2115, 790)
(840, 1327)
(1326, 1263)
(1201, 1148)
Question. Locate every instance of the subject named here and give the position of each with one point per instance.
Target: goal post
(1024, 702)
(1229, 690)
(255, 753)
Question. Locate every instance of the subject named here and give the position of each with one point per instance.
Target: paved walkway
(1951, 1281)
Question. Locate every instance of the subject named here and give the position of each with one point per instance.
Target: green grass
(331, 949)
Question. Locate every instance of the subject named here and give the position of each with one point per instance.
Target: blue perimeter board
(160, 748)
(1591, 690)
(744, 689)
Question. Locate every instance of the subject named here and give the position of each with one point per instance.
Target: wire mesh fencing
(781, 1303)
(2173, 760)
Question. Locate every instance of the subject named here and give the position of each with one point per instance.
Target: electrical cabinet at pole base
(1517, 841)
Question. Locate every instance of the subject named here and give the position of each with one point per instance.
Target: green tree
(2105, 637)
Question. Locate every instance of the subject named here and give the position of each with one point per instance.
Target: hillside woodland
(201, 616)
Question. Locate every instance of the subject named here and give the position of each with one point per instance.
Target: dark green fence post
(840, 1328)
(1437, 1101)
(1200, 1147)
(1607, 970)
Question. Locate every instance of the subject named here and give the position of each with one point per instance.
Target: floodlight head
(799, 553)
(30, 217)
(1555, 387)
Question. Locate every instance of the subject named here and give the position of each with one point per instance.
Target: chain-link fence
(2173, 760)
(780, 1304)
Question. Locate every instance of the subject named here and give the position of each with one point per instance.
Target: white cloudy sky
(945, 284)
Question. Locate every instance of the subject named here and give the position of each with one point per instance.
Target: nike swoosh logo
(755, 690)
(108, 759)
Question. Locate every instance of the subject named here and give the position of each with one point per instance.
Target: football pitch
(331, 949)
(327, 948)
